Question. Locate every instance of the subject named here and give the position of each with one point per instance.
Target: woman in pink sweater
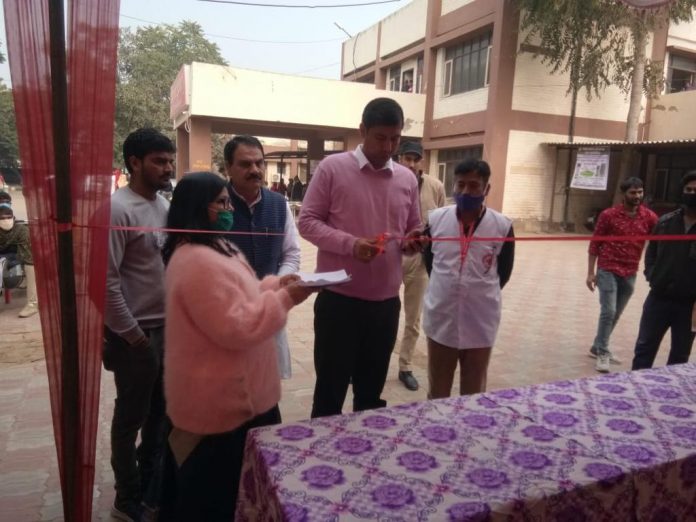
(221, 375)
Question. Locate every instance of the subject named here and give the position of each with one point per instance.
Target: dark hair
(243, 139)
(480, 167)
(144, 141)
(5, 196)
(382, 111)
(688, 178)
(630, 183)
(189, 211)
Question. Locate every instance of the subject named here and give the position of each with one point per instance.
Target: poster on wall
(591, 169)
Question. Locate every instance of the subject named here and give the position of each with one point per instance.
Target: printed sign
(591, 169)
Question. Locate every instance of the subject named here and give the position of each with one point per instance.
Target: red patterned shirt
(621, 257)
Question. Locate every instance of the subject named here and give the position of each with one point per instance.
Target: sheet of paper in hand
(323, 278)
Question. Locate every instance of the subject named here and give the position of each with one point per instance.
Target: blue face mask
(467, 202)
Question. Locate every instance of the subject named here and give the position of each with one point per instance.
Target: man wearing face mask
(15, 246)
(432, 196)
(258, 210)
(617, 263)
(670, 268)
(462, 306)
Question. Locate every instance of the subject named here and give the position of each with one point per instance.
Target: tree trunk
(633, 119)
(569, 168)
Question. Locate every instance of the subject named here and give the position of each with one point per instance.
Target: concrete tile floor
(548, 324)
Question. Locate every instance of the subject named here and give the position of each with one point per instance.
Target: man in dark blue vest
(271, 244)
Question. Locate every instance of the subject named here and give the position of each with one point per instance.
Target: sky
(222, 23)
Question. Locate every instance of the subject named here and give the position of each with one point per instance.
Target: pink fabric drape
(91, 76)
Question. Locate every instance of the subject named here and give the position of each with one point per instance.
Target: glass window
(466, 65)
(682, 73)
(448, 159)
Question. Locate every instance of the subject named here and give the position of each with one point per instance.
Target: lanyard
(465, 242)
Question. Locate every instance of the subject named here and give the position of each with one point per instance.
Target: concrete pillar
(352, 140)
(200, 146)
(315, 153)
(182, 152)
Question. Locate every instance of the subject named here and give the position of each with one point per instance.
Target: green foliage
(575, 37)
(641, 22)
(9, 148)
(149, 59)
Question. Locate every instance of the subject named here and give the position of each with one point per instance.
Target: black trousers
(353, 341)
(139, 406)
(206, 486)
(659, 315)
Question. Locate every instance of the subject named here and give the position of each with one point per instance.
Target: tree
(635, 73)
(577, 38)
(9, 148)
(149, 59)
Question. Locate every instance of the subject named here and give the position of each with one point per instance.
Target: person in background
(134, 318)
(617, 263)
(297, 190)
(670, 268)
(15, 246)
(221, 376)
(415, 278)
(355, 201)
(462, 306)
(258, 210)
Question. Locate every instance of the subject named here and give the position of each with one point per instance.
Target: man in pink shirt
(356, 210)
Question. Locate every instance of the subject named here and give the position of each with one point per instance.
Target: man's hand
(288, 280)
(143, 342)
(413, 243)
(365, 250)
(299, 293)
(591, 282)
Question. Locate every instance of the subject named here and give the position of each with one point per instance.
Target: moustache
(254, 176)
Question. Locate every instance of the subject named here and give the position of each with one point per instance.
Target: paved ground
(548, 324)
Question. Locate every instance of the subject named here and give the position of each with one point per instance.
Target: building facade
(487, 95)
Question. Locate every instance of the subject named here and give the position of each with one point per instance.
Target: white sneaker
(602, 364)
(613, 359)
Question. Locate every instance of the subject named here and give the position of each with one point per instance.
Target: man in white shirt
(267, 232)
(462, 306)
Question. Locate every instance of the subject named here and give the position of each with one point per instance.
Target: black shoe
(409, 380)
(125, 510)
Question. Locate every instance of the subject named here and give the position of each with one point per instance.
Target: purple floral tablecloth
(615, 447)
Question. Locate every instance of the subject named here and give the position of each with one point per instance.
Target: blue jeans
(659, 315)
(614, 293)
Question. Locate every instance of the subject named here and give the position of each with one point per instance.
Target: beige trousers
(415, 282)
(442, 361)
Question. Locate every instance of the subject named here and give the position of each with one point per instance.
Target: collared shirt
(349, 199)
(291, 242)
(621, 257)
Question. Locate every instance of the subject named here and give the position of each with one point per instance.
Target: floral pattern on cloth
(614, 447)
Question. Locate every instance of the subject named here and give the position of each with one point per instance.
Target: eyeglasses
(224, 202)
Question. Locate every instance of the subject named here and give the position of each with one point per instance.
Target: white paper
(323, 278)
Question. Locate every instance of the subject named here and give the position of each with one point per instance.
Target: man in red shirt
(617, 263)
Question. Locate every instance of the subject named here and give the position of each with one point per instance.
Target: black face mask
(689, 199)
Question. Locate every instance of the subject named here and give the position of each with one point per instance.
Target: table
(620, 446)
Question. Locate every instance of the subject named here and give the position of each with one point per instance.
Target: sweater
(220, 367)
(135, 272)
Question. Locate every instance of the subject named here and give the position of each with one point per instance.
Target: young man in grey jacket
(134, 317)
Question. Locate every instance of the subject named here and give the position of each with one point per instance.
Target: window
(419, 74)
(466, 65)
(682, 73)
(448, 159)
(407, 81)
(395, 78)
